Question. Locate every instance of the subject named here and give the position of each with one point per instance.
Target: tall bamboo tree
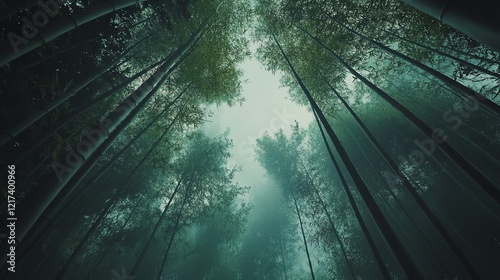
(384, 226)
(17, 45)
(53, 183)
(484, 182)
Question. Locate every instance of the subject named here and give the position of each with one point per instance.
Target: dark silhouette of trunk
(46, 135)
(459, 60)
(42, 163)
(53, 209)
(156, 227)
(106, 209)
(62, 51)
(171, 240)
(480, 58)
(283, 259)
(102, 136)
(411, 190)
(384, 226)
(45, 221)
(304, 238)
(477, 19)
(141, 22)
(389, 185)
(65, 96)
(330, 220)
(52, 214)
(437, 139)
(357, 213)
(108, 245)
(57, 27)
(439, 112)
(438, 75)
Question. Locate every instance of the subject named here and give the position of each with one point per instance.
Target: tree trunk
(18, 45)
(384, 226)
(459, 60)
(106, 209)
(477, 19)
(411, 190)
(71, 92)
(438, 75)
(283, 260)
(357, 213)
(304, 238)
(52, 213)
(108, 244)
(330, 220)
(437, 139)
(49, 212)
(156, 227)
(46, 58)
(52, 183)
(171, 240)
(480, 58)
(42, 138)
(389, 186)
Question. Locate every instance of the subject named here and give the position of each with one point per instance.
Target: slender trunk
(437, 139)
(409, 187)
(330, 220)
(52, 214)
(156, 227)
(171, 240)
(357, 213)
(389, 186)
(49, 155)
(283, 259)
(438, 75)
(49, 212)
(141, 22)
(65, 96)
(439, 112)
(384, 226)
(459, 60)
(480, 58)
(109, 244)
(46, 135)
(479, 20)
(106, 209)
(106, 133)
(77, 176)
(17, 45)
(46, 58)
(304, 238)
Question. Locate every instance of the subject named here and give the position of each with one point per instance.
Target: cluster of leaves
(207, 201)
(302, 170)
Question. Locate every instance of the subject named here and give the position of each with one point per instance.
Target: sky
(265, 109)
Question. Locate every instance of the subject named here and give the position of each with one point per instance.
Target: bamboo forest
(250, 139)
